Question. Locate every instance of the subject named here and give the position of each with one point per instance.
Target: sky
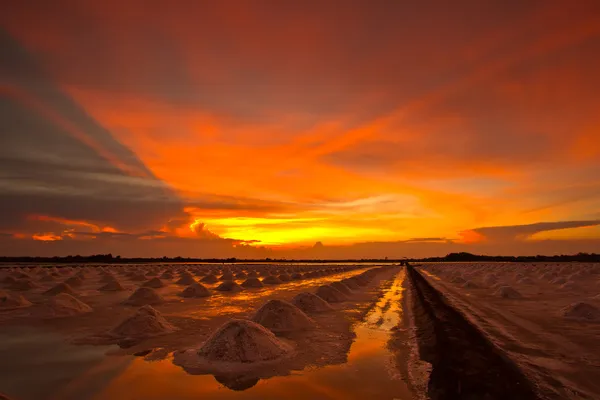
(355, 129)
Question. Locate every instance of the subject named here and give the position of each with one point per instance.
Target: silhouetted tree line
(452, 257)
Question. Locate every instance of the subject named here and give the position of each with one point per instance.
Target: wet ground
(39, 362)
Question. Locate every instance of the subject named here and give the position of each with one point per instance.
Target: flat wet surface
(48, 367)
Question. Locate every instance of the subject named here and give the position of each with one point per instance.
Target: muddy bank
(465, 364)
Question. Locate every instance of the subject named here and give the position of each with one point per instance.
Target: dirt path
(465, 364)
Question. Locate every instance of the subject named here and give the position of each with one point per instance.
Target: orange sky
(280, 124)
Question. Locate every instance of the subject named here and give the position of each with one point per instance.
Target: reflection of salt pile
(243, 341)
(9, 301)
(583, 311)
(145, 322)
(310, 303)
(195, 290)
(60, 288)
(143, 296)
(154, 283)
(507, 292)
(330, 294)
(252, 283)
(64, 305)
(228, 286)
(280, 316)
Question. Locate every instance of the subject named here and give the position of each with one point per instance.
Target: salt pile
(280, 316)
(195, 290)
(228, 286)
(60, 288)
(112, 286)
(242, 341)
(138, 277)
(211, 278)
(154, 283)
(310, 303)
(166, 275)
(272, 280)
(252, 283)
(144, 296)
(24, 284)
(146, 322)
(342, 288)
(507, 292)
(64, 305)
(241, 275)
(582, 311)
(350, 283)
(185, 278)
(10, 301)
(330, 294)
(227, 276)
(74, 281)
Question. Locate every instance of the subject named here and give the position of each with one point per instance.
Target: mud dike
(465, 364)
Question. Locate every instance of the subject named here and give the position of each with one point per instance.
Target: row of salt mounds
(10, 301)
(195, 290)
(582, 311)
(280, 317)
(311, 303)
(242, 341)
(146, 322)
(144, 296)
(64, 305)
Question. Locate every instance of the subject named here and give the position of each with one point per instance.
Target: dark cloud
(56, 160)
(515, 232)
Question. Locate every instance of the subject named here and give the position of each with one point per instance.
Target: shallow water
(50, 368)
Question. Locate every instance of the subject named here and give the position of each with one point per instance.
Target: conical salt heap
(185, 278)
(350, 283)
(507, 292)
(210, 278)
(227, 276)
(138, 277)
(241, 275)
(242, 341)
(9, 301)
(64, 305)
(342, 288)
(195, 290)
(74, 281)
(582, 311)
(112, 286)
(154, 283)
(272, 280)
(228, 286)
(166, 275)
(144, 296)
(60, 288)
(252, 283)
(280, 316)
(330, 294)
(311, 303)
(146, 322)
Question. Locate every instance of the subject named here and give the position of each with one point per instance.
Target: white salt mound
(146, 322)
(311, 303)
(195, 290)
(582, 311)
(280, 316)
(144, 296)
(10, 301)
(64, 305)
(508, 293)
(242, 341)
